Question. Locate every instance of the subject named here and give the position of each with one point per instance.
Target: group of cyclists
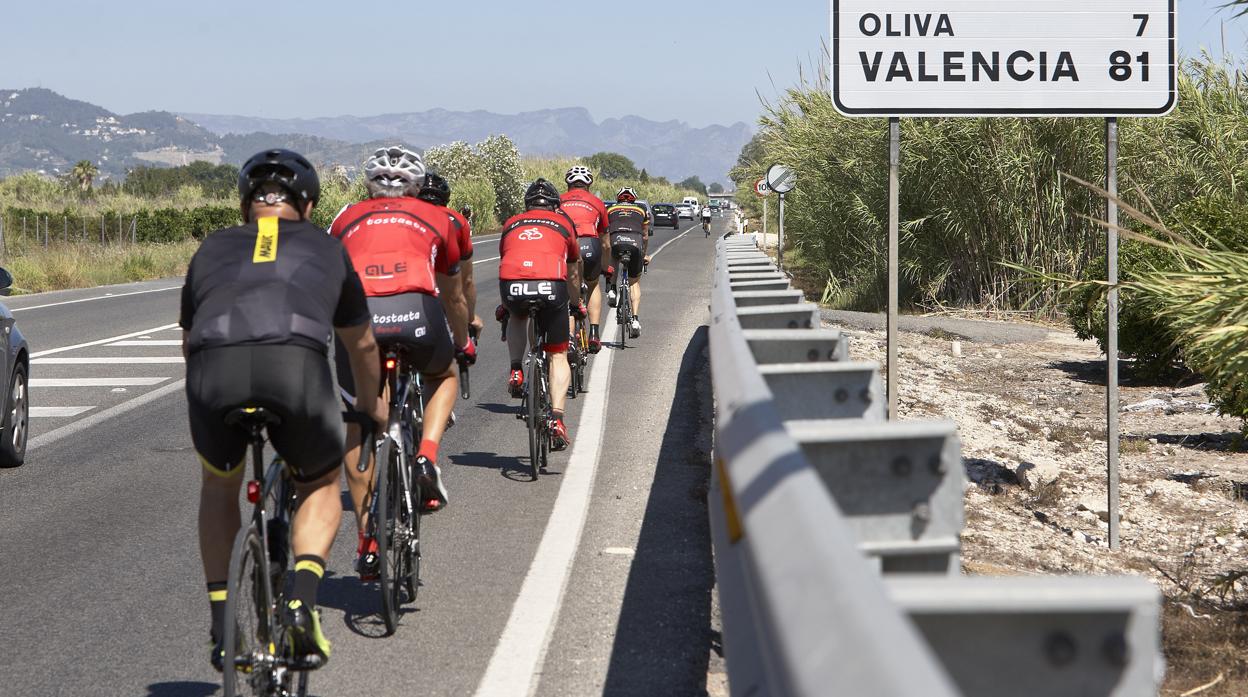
(262, 301)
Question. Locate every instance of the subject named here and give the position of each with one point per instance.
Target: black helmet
(288, 169)
(541, 193)
(434, 189)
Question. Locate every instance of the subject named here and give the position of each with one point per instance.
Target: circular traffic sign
(761, 188)
(781, 179)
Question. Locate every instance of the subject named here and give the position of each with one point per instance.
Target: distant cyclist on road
(539, 254)
(409, 261)
(628, 226)
(259, 303)
(589, 214)
(706, 220)
(436, 190)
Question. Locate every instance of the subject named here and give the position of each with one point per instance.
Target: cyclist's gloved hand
(501, 314)
(580, 311)
(476, 324)
(467, 354)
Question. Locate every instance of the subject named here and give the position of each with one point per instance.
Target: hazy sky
(699, 62)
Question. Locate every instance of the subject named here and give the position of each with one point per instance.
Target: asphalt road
(594, 580)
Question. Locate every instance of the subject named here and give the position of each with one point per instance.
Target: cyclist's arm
(365, 369)
(451, 292)
(574, 271)
(470, 291)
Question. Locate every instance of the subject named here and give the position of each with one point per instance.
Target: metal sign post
(780, 237)
(1111, 327)
(894, 164)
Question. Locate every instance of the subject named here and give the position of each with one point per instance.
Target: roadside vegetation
(75, 232)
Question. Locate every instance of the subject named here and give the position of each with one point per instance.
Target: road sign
(1004, 57)
(781, 179)
(761, 188)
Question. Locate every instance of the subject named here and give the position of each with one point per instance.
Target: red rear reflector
(390, 363)
(253, 491)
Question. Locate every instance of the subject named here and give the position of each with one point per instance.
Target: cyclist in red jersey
(436, 190)
(539, 254)
(409, 263)
(589, 214)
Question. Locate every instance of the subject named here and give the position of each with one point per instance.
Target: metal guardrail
(836, 534)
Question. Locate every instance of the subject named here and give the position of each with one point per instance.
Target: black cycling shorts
(293, 382)
(630, 243)
(591, 255)
(552, 312)
(415, 321)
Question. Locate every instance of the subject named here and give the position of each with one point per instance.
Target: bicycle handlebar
(368, 429)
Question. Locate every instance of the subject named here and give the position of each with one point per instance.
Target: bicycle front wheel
(250, 625)
(389, 546)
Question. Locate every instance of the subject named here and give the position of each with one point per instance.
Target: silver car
(15, 406)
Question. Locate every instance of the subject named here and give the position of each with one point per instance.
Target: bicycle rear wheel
(623, 305)
(251, 634)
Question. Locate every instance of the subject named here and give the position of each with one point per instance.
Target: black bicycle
(623, 299)
(394, 509)
(257, 642)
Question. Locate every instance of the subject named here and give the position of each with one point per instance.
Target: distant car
(684, 210)
(15, 403)
(665, 214)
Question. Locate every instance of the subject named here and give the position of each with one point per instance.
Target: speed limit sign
(761, 188)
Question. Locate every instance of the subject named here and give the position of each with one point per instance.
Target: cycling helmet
(434, 189)
(541, 193)
(626, 195)
(287, 169)
(579, 174)
(392, 171)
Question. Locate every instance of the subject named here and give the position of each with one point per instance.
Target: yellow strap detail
(215, 470)
(735, 531)
(216, 596)
(308, 565)
(266, 241)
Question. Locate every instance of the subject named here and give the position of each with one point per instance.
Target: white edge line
(514, 667)
(110, 296)
(482, 261)
(97, 342)
(102, 416)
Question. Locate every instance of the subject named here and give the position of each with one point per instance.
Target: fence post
(134, 224)
(2, 250)
(65, 236)
(102, 230)
(45, 232)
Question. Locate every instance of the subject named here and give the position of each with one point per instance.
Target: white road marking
(102, 416)
(482, 261)
(514, 668)
(56, 412)
(145, 341)
(620, 551)
(95, 382)
(660, 250)
(106, 296)
(107, 360)
(97, 342)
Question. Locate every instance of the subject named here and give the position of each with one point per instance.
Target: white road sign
(1003, 57)
(761, 188)
(781, 179)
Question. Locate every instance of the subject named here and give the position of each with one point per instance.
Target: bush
(479, 195)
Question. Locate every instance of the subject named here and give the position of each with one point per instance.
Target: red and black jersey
(398, 245)
(537, 245)
(587, 212)
(462, 232)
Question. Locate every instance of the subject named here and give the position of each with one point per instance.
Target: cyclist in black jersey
(258, 308)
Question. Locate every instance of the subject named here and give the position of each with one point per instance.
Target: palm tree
(84, 173)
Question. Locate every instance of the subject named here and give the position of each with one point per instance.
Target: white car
(684, 210)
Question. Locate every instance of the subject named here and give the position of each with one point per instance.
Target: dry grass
(85, 266)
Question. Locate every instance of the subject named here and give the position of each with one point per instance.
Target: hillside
(671, 148)
(41, 130)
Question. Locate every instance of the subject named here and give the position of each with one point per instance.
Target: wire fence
(18, 233)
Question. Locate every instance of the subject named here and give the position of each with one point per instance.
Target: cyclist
(410, 261)
(628, 225)
(259, 303)
(436, 190)
(539, 252)
(706, 220)
(589, 214)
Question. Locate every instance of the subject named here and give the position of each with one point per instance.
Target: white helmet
(579, 174)
(392, 171)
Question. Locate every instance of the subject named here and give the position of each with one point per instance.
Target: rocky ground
(1030, 407)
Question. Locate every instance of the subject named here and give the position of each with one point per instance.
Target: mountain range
(41, 130)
